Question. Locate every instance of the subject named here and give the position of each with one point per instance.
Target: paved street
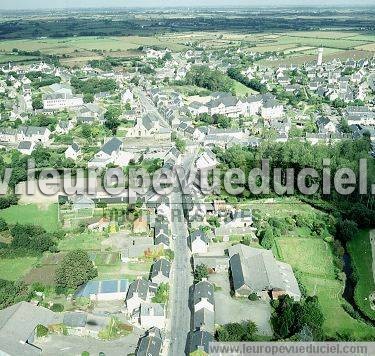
(181, 281)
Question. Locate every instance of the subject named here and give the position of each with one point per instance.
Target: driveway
(74, 345)
(230, 310)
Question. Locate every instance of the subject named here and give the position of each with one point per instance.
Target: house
(152, 315)
(207, 160)
(63, 127)
(83, 203)
(61, 100)
(151, 344)
(239, 222)
(109, 153)
(199, 340)
(73, 152)
(18, 328)
(199, 242)
(213, 263)
(99, 225)
(257, 271)
(26, 147)
(203, 296)
(104, 290)
(33, 133)
(204, 319)
(138, 293)
(325, 125)
(160, 271)
(361, 115)
(127, 97)
(161, 234)
(140, 225)
(272, 109)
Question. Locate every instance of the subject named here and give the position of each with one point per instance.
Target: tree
(88, 98)
(346, 230)
(268, 239)
(200, 272)
(233, 332)
(112, 118)
(37, 103)
(162, 294)
(180, 144)
(3, 225)
(75, 269)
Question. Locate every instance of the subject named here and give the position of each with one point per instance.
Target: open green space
(32, 214)
(313, 258)
(13, 269)
(359, 249)
(84, 241)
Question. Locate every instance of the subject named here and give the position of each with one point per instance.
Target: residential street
(181, 281)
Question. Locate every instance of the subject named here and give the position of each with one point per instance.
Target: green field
(242, 90)
(13, 269)
(84, 241)
(313, 258)
(360, 252)
(32, 214)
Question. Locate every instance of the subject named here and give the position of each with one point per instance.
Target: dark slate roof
(150, 344)
(162, 238)
(112, 145)
(204, 289)
(162, 265)
(200, 339)
(204, 319)
(199, 234)
(160, 227)
(24, 145)
(323, 121)
(236, 271)
(75, 147)
(139, 286)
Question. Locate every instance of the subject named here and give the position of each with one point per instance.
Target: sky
(45, 4)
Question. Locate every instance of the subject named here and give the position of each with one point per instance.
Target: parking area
(229, 310)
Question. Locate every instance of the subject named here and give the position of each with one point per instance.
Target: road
(181, 281)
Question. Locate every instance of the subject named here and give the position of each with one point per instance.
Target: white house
(127, 97)
(199, 242)
(207, 160)
(203, 297)
(138, 293)
(73, 152)
(152, 315)
(160, 271)
(272, 109)
(26, 147)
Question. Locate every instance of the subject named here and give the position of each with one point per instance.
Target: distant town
(152, 274)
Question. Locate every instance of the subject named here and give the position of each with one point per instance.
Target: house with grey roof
(152, 315)
(109, 153)
(199, 242)
(160, 271)
(26, 147)
(203, 296)
(151, 344)
(73, 152)
(199, 340)
(18, 328)
(255, 270)
(138, 293)
(238, 222)
(204, 319)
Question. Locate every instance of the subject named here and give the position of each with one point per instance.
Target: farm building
(103, 290)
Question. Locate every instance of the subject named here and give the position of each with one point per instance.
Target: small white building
(199, 242)
(152, 315)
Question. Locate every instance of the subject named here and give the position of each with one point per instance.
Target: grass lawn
(84, 241)
(242, 90)
(360, 252)
(318, 260)
(313, 258)
(31, 214)
(13, 269)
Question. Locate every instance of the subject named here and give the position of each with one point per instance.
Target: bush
(57, 308)
(41, 331)
(3, 225)
(253, 297)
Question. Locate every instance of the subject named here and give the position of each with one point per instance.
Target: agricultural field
(312, 257)
(13, 269)
(360, 251)
(32, 214)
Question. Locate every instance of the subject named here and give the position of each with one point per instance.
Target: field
(242, 90)
(84, 241)
(360, 252)
(31, 214)
(313, 258)
(13, 269)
